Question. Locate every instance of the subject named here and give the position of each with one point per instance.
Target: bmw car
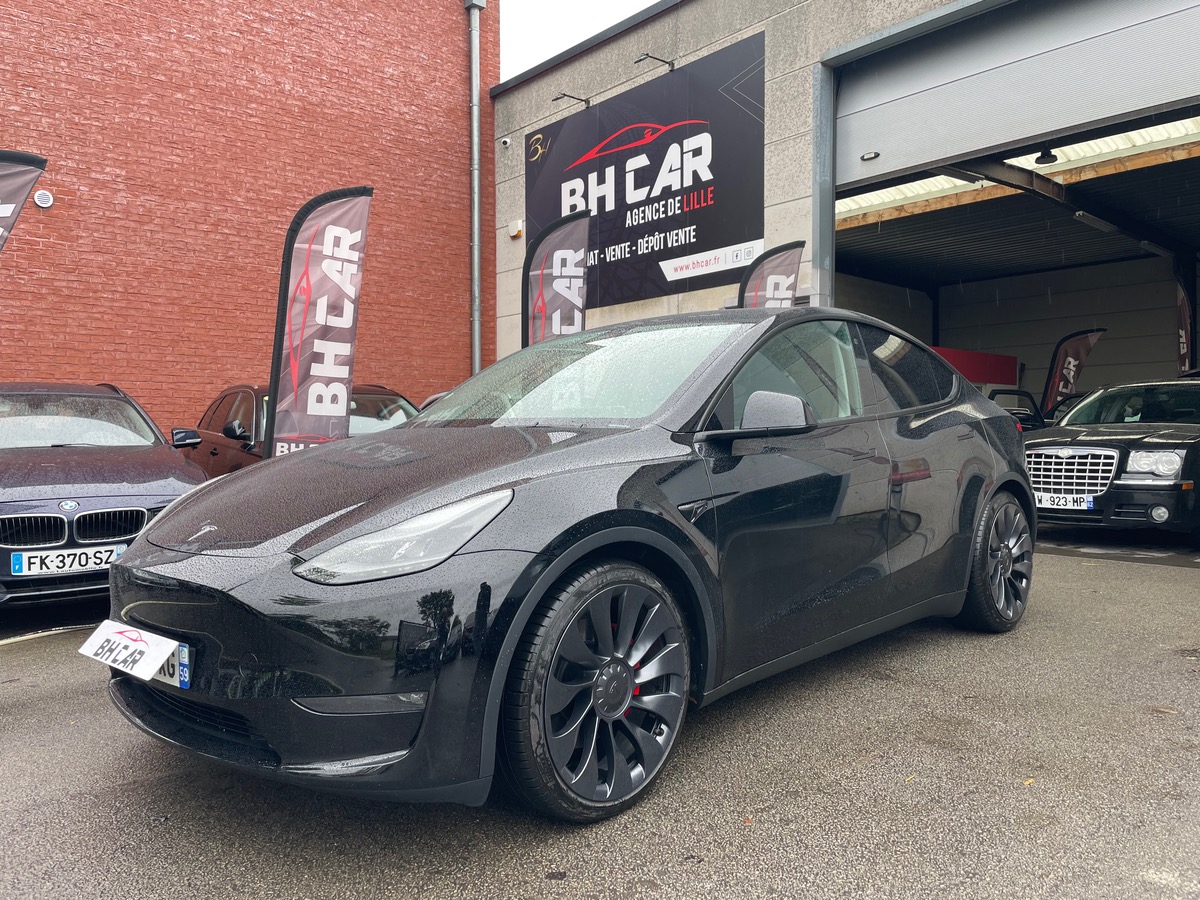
(543, 572)
(83, 469)
(1125, 456)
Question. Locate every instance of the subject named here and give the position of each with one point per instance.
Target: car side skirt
(943, 605)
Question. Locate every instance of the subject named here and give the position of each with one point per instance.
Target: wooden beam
(967, 196)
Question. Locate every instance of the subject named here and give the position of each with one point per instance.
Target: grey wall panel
(1018, 74)
(909, 310)
(1026, 316)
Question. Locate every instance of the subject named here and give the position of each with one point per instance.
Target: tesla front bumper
(363, 689)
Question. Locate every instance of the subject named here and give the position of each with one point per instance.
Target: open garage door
(1024, 72)
(1024, 174)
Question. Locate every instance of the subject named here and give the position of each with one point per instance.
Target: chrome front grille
(109, 525)
(1070, 472)
(32, 531)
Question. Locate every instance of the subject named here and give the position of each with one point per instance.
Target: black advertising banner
(315, 327)
(775, 278)
(1184, 305)
(19, 172)
(1066, 364)
(672, 170)
(554, 282)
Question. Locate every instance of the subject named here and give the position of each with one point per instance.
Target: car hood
(1118, 435)
(354, 486)
(46, 473)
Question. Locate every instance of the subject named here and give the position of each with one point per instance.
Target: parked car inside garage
(233, 427)
(83, 470)
(1126, 456)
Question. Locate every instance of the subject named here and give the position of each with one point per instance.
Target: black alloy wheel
(1001, 567)
(597, 693)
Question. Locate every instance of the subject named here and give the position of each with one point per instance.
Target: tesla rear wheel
(597, 693)
(1001, 567)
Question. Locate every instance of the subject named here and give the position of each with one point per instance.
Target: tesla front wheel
(597, 693)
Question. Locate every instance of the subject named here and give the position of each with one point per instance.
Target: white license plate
(1063, 501)
(65, 562)
(139, 652)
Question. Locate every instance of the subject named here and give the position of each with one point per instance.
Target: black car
(233, 427)
(630, 520)
(82, 470)
(1126, 456)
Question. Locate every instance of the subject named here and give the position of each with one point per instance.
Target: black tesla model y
(542, 572)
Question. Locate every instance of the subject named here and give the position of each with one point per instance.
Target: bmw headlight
(412, 546)
(1163, 463)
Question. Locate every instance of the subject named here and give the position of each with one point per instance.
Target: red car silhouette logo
(629, 137)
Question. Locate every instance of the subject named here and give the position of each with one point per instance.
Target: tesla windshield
(614, 379)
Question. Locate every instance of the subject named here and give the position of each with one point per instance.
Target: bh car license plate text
(134, 650)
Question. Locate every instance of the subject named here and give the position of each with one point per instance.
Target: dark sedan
(1126, 456)
(626, 522)
(82, 470)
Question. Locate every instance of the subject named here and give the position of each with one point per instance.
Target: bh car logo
(68, 506)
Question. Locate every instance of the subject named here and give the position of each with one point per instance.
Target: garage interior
(1081, 213)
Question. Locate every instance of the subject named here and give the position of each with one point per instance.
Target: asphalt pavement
(1061, 760)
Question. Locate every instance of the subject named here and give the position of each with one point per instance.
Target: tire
(597, 693)
(1001, 567)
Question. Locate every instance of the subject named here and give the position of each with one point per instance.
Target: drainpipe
(824, 187)
(473, 7)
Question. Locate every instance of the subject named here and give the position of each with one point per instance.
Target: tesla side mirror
(234, 431)
(772, 410)
(768, 414)
(184, 437)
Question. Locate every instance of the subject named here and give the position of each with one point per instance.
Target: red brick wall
(182, 136)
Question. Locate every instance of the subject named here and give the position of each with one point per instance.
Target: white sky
(532, 31)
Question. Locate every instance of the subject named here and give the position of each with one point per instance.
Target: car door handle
(967, 435)
(214, 452)
(869, 453)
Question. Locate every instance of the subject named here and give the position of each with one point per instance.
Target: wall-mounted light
(1095, 222)
(563, 95)
(669, 63)
(870, 155)
(1045, 158)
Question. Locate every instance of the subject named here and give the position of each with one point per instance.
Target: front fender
(572, 548)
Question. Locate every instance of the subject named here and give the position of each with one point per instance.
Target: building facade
(182, 137)
(988, 174)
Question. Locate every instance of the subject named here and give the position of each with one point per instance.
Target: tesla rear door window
(904, 374)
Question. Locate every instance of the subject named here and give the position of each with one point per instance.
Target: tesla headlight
(1163, 463)
(412, 546)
